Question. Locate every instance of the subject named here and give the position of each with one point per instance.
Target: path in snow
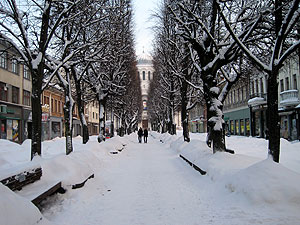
(146, 184)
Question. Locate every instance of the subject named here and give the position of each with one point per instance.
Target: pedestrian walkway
(147, 184)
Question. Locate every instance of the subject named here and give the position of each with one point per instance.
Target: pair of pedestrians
(142, 133)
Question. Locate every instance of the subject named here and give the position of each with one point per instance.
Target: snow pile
(17, 210)
(267, 182)
(247, 172)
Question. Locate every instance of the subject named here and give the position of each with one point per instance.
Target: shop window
(247, 122)
(231, 127)
(242, 127)
(3, 91)
(12, 130)
(26, 97)
(15, 95)
(237, 130)
(3, 59)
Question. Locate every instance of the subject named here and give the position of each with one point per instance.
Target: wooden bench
(39, 191)
(202, 172)
(21, 179)
(23, 182)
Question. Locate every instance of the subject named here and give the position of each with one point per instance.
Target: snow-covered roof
(144, 59)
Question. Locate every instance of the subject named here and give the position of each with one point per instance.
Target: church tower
(145, 72)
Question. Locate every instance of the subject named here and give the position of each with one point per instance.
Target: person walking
(140, 134)
(145, 135)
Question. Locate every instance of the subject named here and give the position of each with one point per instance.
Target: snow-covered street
(145, 184)
(150, 183)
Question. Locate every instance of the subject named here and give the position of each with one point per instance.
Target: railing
(289, 98)
(259, 95)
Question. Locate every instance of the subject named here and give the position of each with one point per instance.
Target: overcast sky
(143, 23)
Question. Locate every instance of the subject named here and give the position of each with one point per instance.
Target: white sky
(143, 23)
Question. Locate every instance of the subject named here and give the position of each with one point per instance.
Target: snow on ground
(150, 184)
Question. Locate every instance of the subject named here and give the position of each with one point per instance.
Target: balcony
(257, 99)
(289, 98)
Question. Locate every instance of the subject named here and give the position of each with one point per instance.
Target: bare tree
(280, 20)
(32, 27)
(199, 23)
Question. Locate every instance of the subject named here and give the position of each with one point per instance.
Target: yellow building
(15, 94)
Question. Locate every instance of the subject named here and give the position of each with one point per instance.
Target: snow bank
(248, 172)
(17, 210)
(267, 182)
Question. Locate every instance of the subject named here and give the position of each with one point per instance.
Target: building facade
(146, 73)
(198, 119)
(236, 111)
(289, 99)
(245, 108)
(92, 117)
(15, 94)
(52, 113)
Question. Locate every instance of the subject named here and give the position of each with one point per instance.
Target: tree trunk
(36, 136)
(80, 106)
(184, 113)
(215, 122)
(68, 110)
(273, 117)
(101, 136)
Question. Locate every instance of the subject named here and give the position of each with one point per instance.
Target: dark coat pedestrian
(145, 135)
(140, 134)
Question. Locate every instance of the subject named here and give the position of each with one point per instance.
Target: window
(59, 106)
(287, 83)
(26, 98)
(93, 115)
(3, 92)
(26, 73)
(252, 87)
(52, 105)
(55, 106)
(261, 86)
(266, 82)
(46, 100)
(15, 95)
(234, 99)
(242, 93)
(256, 86)
(149, 75)
(294, 82)
(14, 66)
(144, 75)
(238, 95)
(281, 85)
(96, 116)
(3, 59)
